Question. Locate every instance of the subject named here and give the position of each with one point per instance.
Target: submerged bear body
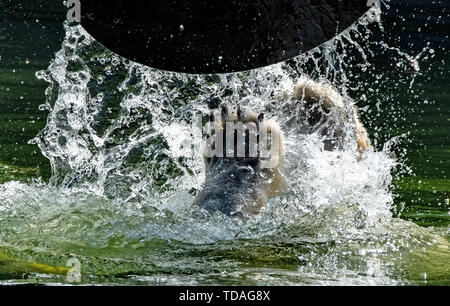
(230, 186)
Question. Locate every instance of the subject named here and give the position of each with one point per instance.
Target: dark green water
(29, 37)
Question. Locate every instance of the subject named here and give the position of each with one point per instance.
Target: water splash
(120, 195)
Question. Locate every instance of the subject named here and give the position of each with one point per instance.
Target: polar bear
(240, 185)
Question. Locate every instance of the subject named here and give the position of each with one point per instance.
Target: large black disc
(215, 36)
